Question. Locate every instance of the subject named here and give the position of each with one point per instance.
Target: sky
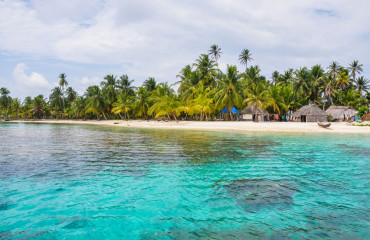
(88, 39)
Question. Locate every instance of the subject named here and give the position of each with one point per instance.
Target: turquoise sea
(90, 182)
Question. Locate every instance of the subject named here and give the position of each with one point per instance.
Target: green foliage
(203, 91)
(363, 110)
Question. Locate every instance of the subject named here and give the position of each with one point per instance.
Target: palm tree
(362, 84)
(167, 106)
(252, 77)
(63, 83)
(318, 74)
(329, 90)
(203, 103)
(302, 82)
(334, 68)
(275, 77)
(5, 100)
(56, 98)
(95, 101)
(71, 94)
(227, 94)
(343, 80)
(37, 108)
(355, 67)
(215, 52)
(150, 84)
(142, 102)
(244, 57)
(275, 100)
(124, 104)
(208, 70)
(16, 105)
(78, 107)
(109, 90)
(256, 96)
(124, 84)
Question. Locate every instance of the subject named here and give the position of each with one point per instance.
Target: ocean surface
(91, 182)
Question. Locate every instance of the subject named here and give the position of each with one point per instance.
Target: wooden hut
(252, 114)
(366, 117)
(341, 113)
(309, 113)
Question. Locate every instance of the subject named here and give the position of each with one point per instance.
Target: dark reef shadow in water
(76, 222)
(256, 194)
(245, 232)
(355, 150)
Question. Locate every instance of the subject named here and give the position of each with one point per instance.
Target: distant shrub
(330, 117)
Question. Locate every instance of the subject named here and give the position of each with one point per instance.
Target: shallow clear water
(89, 182)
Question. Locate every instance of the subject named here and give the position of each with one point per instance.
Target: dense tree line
(203, 91)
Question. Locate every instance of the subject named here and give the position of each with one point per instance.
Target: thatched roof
(339, 111)
(251, 110)
(309, 110)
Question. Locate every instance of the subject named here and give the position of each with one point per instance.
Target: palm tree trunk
(104, 116)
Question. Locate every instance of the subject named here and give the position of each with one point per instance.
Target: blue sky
(88, 39)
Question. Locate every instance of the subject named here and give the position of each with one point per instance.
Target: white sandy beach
(240, 126)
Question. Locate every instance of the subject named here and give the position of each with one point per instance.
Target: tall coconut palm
(215, 52)
(334, 68)
(203, 102)
(95, 101)
(328, 87)
(227, 94)
(124, 104)
(109, 90)
(124, 84)
(38, 105)
(275, 77)
(71, 94)
(343, 80)
(362, 84)
(208, 70)
(252, 77)
(275, 100)
(245, 57)
(167, 106)
(56, 98)
(142, 102)
(302, 82)
(355, 67)
(62, 84)
(256, 96)
(5, 100)
(16, 104)
(78, 107)
(150, 84)
(318, 74)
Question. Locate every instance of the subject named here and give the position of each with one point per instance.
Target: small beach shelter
(233, 110)
(341, 113)
(310, 113)
(252, 114)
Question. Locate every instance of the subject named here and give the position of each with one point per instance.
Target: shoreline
(239, 126)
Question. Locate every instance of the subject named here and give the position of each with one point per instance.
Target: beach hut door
(303, 118)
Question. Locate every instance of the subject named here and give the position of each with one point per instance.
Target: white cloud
(33, 82)
(157, 38)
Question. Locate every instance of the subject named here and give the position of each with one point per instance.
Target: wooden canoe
(324, 125)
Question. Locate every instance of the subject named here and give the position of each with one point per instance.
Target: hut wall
(247, 117)
(315, 118)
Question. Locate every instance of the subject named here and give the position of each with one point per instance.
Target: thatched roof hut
(252, 114)
(341, 113)
(309, 113)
